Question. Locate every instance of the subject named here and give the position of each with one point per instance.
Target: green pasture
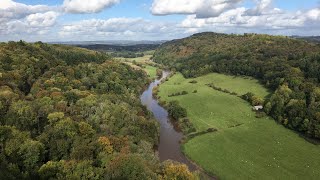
(244, 147)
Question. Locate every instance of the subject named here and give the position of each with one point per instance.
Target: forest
(289, 67)
(130, 48)
(72, 113)
(125, 51)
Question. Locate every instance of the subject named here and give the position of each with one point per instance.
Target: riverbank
(170, 138)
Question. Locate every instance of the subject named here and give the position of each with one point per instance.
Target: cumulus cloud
(119, 28)
(34, 23)
(165, 7)
(235, 19)
(263, 7)
(314, 14)
(201, 8)
(17, 18)
(229, 16)
(42, 19)
(13, 10)
(87, 6)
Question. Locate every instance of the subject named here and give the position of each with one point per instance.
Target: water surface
(169, 145)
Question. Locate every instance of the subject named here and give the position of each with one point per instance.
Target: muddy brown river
(169, 145)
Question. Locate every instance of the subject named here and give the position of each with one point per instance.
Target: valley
(159, 90)
(224, 136)
(243, 146)
(171, 113)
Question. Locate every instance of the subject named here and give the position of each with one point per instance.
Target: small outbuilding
(257, 108)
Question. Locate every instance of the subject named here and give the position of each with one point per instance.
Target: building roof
(258, 107)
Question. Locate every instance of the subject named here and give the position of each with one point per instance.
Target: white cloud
(228, 16)
(165, 7)
(201, 8)
(13, 10)
(38, 23)
(21, 19)
(314, 14)
(118, 28)
(42, 19)
(87, 6)
(235, 19)
(113, 25)
(261, 8)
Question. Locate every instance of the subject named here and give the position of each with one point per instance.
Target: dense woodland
(125, 51)
(288, 67)
(71, 113)
(130, 48)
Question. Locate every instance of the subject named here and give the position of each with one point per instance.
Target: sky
(102, 20)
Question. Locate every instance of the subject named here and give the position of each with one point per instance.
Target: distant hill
(131, 48)
(286, 65)
(314, 39)
(231, 47)
(109, 42)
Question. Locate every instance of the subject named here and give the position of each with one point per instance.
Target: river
(169, 145)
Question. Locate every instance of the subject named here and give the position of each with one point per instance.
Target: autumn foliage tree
(72, 113)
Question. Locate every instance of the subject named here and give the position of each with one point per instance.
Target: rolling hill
(288, 67)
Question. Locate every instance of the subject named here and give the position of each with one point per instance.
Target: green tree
(176, 111)
(129, 167)
(22, 115)
(32, 155)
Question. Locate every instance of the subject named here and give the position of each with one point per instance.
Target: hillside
(131, 48)
(314, 39)
(205, 48)
(72, 113)
(289, 67)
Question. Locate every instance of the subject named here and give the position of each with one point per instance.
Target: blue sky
(141, 8)
(68, 20)
(296, 4)
(127, 8)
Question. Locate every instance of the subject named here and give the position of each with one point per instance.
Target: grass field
(257, 149)
(151, 71)
(142, 59)
(145, 60)
(240, 85)
(210, 108)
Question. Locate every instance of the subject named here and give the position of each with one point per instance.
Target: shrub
(226, 91)
(211, 130)
(193, 82)
(159, 73)
(176, 111)
(234, 93)
(186, 126)
(178, 94)
(184, 92)
(252, 99)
